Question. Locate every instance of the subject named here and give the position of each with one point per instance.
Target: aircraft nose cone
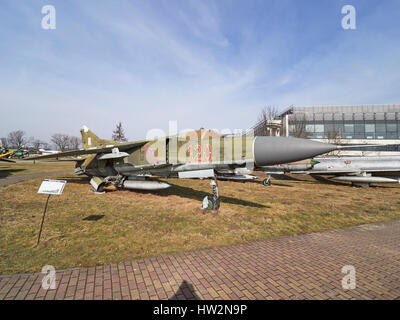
(276, 150)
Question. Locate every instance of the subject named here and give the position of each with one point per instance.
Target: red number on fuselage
(207, 153)
(197, 155)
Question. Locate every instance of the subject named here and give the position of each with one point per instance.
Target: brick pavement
(296, 267)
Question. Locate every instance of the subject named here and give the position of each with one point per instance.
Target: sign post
(49, 187)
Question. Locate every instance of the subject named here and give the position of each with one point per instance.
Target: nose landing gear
(212, 202)
(267, 182)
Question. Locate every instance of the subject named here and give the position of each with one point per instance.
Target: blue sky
(211, 64)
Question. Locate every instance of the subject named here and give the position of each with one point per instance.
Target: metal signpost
(49, 187)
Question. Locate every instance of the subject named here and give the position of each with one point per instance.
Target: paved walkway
(297, 267)
(22, 177)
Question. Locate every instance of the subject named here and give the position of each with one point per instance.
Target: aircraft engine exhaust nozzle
(276, 150)
(145, 185)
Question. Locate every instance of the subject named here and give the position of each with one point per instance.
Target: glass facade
(347, 125)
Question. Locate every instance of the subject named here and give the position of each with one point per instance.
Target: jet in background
(195, 154)
(360, 171)
(44, 152)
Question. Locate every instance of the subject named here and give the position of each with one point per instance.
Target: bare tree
(119, 133)
(74, 143)
(62, 141)
(37, 144)
(3, 142)
(334, 137)
(17, 139)
(267, 113)
(298, 124)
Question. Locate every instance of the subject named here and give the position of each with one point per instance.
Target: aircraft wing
(78, 152)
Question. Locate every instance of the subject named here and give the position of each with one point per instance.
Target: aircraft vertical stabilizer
(90, 140)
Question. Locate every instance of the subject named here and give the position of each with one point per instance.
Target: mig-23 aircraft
(360, 171)
(193, 154)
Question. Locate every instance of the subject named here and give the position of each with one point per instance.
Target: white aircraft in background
(43, 152)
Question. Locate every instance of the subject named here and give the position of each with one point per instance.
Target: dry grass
(28, 167)
(85, 229)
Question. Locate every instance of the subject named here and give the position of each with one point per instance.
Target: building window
(380, 128)
(369, 127)
(359, 128)
(349, 128)
(310, 128)
(319, 128)
(391, 127)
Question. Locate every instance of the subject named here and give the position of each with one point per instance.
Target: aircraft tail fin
(90, 140)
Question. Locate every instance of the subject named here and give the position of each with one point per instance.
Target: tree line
(18, 139)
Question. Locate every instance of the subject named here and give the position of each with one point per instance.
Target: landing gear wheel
(209, 203)
(98, 184)
(266, 182)
(212, 202)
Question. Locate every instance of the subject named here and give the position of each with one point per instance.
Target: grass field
(86, 229)
(28, 167)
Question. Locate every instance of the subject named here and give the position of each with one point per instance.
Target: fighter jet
(360, 171)
(44, 152)
(194, 154)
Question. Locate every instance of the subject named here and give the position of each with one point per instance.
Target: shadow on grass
(325, 180)
(284, 177)
(191, 193)
(77, 180)
(380, 186)
(94, 217)
(4, 173)
(185, 291)
(177, 190)
(274, 183)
